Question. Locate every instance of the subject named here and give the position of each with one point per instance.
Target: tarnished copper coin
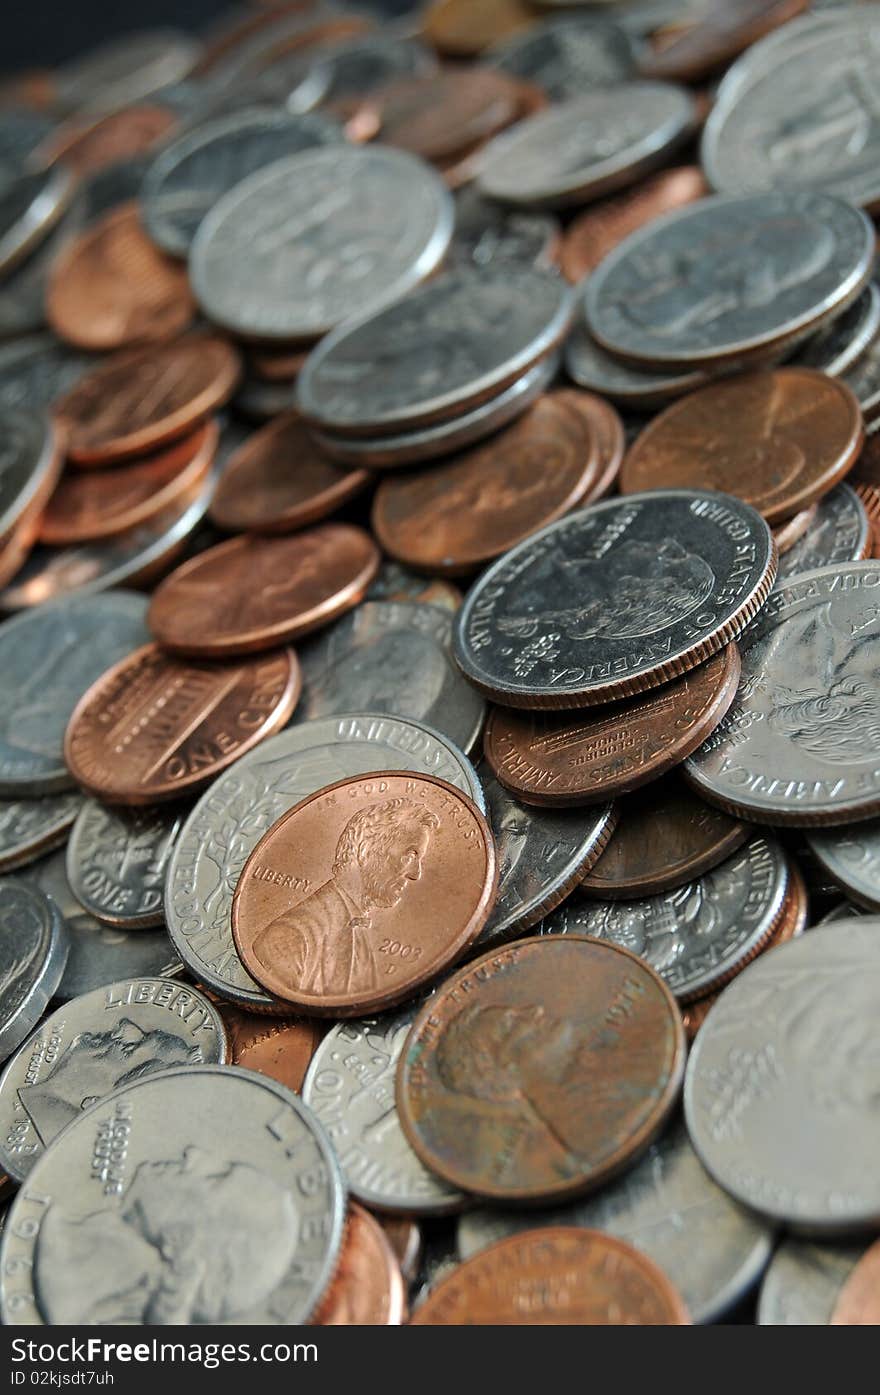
(405, 1239)
(777, 440)
(794, 528)
(367, 1289)
(364, 892)
(253, 593)
(442, 116)
(454, 517)
(90, 146)
(137, 401)
(666, 836)
(462, 28)
(279, 481)
(91, 504)
(541, 1069)
(154, 727)
(604, 421)
(280, 1047)
(112, 287)
(555, 1276)
(717, 33)
(587, 758)
(858, 1304)
(595, 233)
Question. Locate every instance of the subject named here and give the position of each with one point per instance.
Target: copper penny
(277, 367)
(542, 1069)
(555, 1276)
(364, 892)
(858, 1303)
(605, 423)
(777, 440)
(279, 481)
(91, 504)
(90, 146)
(280, 1047)
(367, 1289)
(592, 235)
(575, 758)
(462, 28)
(724, 29)
(454, 517)
(253, 593)
(405, 1239)
(138, 401)
(154, 727)
(446, 115)
(666, 836)
(112, 287)
(790, 532)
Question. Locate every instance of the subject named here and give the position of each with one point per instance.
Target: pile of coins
(439, 763)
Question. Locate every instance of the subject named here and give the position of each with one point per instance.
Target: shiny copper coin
(364, 892)
(279, 481)
(542, 1069)
(777, 440)
(90, 146)
(555, 1276)
(280, 1047)
(405, 1239)
(588, 758)
(154, 727)
(112, 287)
(454, 517)
(91, 504)
(858, 1303)
(793, 529)
(593, 234)
(252, 593)
(605, 423)
(277, 367)
(367, 1289)
(447, 115)
(138, 401)
(462, 28)
(666, 836)
(719, 32)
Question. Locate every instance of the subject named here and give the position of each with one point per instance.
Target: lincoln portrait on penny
(327, 944)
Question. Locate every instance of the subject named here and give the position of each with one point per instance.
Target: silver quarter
(28, 458)
(839, 533)
(852, 857)
(31, 827)
(47, 661)
(36, 369)
(232, 816)
(588, 365)
(444, 349)
(803, 1283)
(117, 860)
(123, 70)
(864, 380)
(697, 935)
(787, 1055)
(566, 56)
(29, 207)
(668, 1207)
(33, 950)
(94, 1045)
(839, 346)
(487, 232)
(151, 1208)
(748, 274)
(393, 657)
(318, 238)
(798, 745)
(350, 1087)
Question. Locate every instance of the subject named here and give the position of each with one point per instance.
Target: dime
(33, 952)
(47, 661)
(135, 402)
(803, 1282)
(558, 1276)
(278, 482)
(350, 1087)
(251, 594)
(92, 1046)
(367, 1289)
(460, 28)
(30, 205)
(541, 1069)
(785, 1054)
(839, 533)
(777, 440)
(564, 759)
(812, 253)
(31, 827)
(123, 70)
(447, 115)
(440, 351)
(593, 234)
(154, 727)
(665, 838)
(836, 348)
(323, 236)
(197, 169)
(457, 516)
(864, 380)
(852, 857)
(394, 657)
(857, 1303)
(261, 1205)
(280, 1047)
(587, 364)
(487, 232)
(364, 892)
(566, 56)
(797, 746)
(234, 813)
(721, 31)
(116, 861)
(30, 463)
(669, 1209)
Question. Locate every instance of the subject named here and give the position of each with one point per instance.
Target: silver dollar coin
(232, 816)
(747, 274)
(33, 950)
(117, 859)
(566, 56)
(94, 1045)
(47, 661)
(152, 1209)
(799, 743)
(803, 1283)
(783, 1069)
(393, 657)
(840, 532)
(31, 827)
(668, 1207)
(350, 1086)
(317, 238)
(28, 461)
(852, 857)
